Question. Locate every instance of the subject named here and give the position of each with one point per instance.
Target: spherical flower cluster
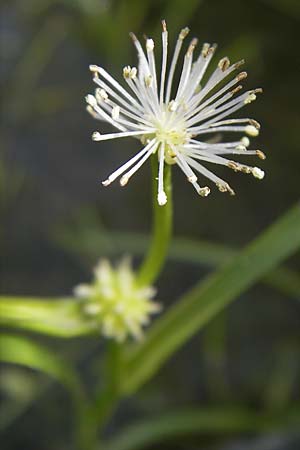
(115, 303)
(175, 120)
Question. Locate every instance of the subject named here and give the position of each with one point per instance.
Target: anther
(94, 69)
(124, 180)
(245, 169)
(183, 33)
(245, 141)
(90, 99)
(224, 187)
(224, 63)
(251, 130)
(239, 64)
(164, 25)
(149, 45)
(241, 76)
(162, 198)
(260, 154)
(129, 72)
(234, 166)
(192, 46)
(133, 36)
(250, 98)
(205, 50)
(173, 105)
(96, 136)
(204, 192)
(101, 95)
(148, 80)
(254, 123)
(258, 173)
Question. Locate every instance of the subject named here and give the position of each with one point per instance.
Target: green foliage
(208, 420)
(207, 299)
(57, 317)
(23, 351)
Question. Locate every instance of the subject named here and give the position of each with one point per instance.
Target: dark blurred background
(52, 201)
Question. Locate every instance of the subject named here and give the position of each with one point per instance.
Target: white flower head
(174, 120)
(115, 303)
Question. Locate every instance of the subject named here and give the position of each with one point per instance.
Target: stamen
(125, 178)
(164, 61)
(184, 32)
(128, 164)
(258, 173)
(224, 64)
(161, 196)
(96, 136)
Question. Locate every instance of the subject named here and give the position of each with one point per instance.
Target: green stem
(105, 400)
(162, 227)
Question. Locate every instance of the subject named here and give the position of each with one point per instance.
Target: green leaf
(207, 299)
(213, 420)
(19, 389)
(89, 238)
(58, 317)
(23, 351)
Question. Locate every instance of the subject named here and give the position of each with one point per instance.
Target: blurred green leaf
(207, 299)
(88, 239)
(282, 379)
(195, 421)
(23, 351)
(33, 62)
(18, 390)
(290, 7)
(59, 317)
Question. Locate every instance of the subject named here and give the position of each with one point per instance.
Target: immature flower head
(174, 120)
(115, 303)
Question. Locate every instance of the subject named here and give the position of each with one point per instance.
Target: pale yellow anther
(251, 130)
(251, 97)
(224, 63)
(192, 47)
(129, 72)
(162, 198)
(258, 173)
(101, 95)
(95, 69)
(173, 105)
(205, 50)
(96, 136)
(204, 192)
(124, 180)
(183, 33)
(90, 99)
(148, 81)
(245, 141)
(149, 45)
